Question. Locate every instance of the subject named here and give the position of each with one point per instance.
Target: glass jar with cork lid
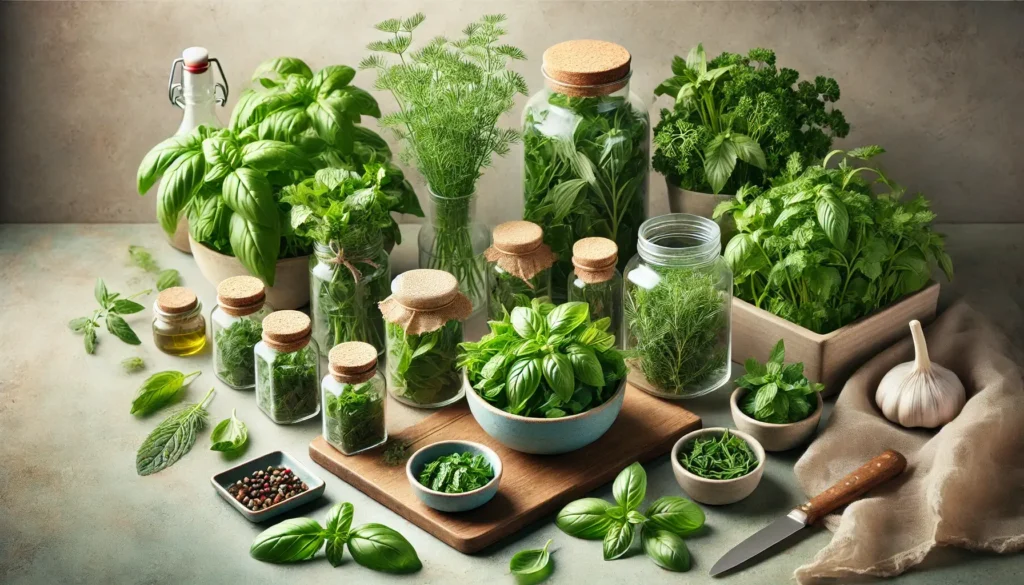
(236, 325)
(597, 282)
(586, 139)
(520, 267)
(287, 368)
(178, 325)
(423, 318)
(354, 399)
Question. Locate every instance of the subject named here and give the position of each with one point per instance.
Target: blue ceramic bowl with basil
(545, 436)
(452, 502)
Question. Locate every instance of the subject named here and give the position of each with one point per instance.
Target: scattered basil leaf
(586, 518)
(111, 309)
(295, 539)
(80, 324)
(617, 540)
(120, 328)
(229, 435)
(167, 279)
(126, 307)
(172, 438)
(675, 514)
(532, 566)
(380, 548)
(132, 365)
(90, 340)
(339, 520)
(630, 487)
(159, 390)
(100, 292)
(666, 549)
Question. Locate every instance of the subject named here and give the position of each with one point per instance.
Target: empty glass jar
(287, 369)
(354, 398)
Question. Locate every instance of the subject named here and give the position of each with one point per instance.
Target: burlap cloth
(964, 484)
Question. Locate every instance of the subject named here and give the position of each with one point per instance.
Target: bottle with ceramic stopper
(354, 398)
(287, 369)
(178, 325)
(519, 267)
(596, 281)
(236, 325)
(423, 319)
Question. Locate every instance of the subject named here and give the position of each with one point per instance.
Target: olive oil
(178, 324)
(180, 344)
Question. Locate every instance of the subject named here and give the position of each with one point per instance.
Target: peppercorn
(265, 488)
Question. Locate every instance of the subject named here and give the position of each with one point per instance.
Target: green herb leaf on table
(532, 566)
(168, 278)
(143, 258)
(293, 540)
(112, 306)
(380, 548)
(676, 515)
(666, 549)
(229, 435)
(776, 393)
(339, 521)
(586, 518)
(630, 486)
(132, 365)
(617, 540)
(456, 473)
(172, 438)
(159, 390)
(395, 452)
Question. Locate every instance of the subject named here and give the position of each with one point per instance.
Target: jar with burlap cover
(287, 368)
(354, 398)
(236, 324)
(520, 267)
(424, 317)
(596, 281)
(586, 140)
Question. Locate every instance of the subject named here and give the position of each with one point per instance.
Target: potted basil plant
(546, 379)
(737, 120)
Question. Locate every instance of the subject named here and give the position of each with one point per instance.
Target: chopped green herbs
(777, 393)
(133, 365)
(545, 361)
(112, 307)
(457, 473)
(585, 173)
(287, 389)
(723, 457)
(678, 330)
(421, 368)
(395, 453)
(235, 361)
(172, 438)
(354, 417)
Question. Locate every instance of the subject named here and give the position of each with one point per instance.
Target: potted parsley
(737, 120)
(833, 260)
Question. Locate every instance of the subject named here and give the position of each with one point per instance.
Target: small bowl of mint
(718, 466)
(454, 476)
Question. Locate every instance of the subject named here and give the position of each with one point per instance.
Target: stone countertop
(74, 510)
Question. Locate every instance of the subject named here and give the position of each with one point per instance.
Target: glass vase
(453, 241)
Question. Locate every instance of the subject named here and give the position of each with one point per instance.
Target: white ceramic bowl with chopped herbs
(717, 492)
(446, 502)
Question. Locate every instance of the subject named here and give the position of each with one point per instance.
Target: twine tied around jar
(594, 259)
(519, 250)
(423, 300)
(340, 260)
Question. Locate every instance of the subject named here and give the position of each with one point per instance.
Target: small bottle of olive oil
(178, 324)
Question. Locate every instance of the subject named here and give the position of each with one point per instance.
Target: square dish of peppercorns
(268, 485)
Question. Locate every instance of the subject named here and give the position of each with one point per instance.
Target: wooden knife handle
(869, 476)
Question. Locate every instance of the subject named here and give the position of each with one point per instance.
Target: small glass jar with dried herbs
(354, 398)
(236, 325)
(287, 369)
(597, 282)
(520, 267)
(423, 318)
(179, 328)
(586, 140)
(677, 298)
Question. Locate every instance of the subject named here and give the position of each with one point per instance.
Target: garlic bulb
(920, 393)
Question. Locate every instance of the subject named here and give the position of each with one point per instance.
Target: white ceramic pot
(291, 281)
(774, 437)
(180, 239)
(717, 492)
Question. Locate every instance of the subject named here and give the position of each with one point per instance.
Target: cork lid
(241, 295)
(585, 62)
(424, 289)
(518, 237)
(286, 330)
(595, 259)
(176, 299)
(352, 361)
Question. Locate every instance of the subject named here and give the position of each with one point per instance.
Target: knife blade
(865, 478)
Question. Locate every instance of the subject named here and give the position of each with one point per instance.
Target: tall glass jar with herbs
(287, 369)
(423, 318)
(453, 241)
(347, 278)
(586, 140)
(519, 267)
(354, 397)
(597, 282)
(179, 328)
(677, 299)
(237, 326)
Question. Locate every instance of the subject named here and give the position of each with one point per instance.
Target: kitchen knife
(870, 475)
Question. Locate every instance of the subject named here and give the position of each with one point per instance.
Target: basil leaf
(157, 161)
(329, 123)
(81, 324)
(158, 390)
(274, 155)
(586, 518)
(295, 539)
(675, 514)
(585, 365)
(527, 322)
(100, 292)
(778, 354)
(120, 328)
(90, 340)
(256, 247)
(617, 513)
(523, 381)
(249, 194)
(339, 520)
(380, 548)
(331, 78)
(284, 125)
(356, 102)
(126, 307)
(167, 278)
(666, 549)
(177, 187)
(634, 517)
(834, 219)
(229, 435)
(281, 66)
(567, 317)
(617, 540)
(531, 566)
(558, 373)
(630, 486)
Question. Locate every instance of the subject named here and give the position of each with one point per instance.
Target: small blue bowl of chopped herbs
(454, 476)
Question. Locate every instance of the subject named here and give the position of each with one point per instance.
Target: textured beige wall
(941, 85)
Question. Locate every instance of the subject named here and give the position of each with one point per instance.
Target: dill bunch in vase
(450, 95)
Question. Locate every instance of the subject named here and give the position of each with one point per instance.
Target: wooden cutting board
(532, 486)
